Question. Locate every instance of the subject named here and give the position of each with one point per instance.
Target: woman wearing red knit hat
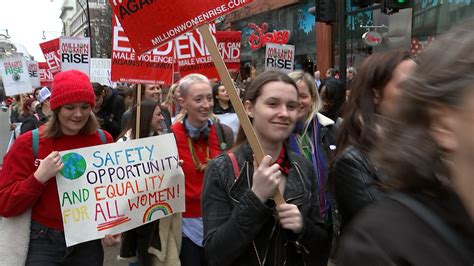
(28, 184)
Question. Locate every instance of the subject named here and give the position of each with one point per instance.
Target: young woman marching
(29, 184)
(242, 225)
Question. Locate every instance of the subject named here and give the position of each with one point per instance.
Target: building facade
(287, 22)
(433, 17)
(74, 15)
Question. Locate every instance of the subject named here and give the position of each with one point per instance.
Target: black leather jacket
(355, 183)
(240, 230)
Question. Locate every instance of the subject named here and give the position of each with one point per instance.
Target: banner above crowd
(279, 57)
(15, 76)
(75, 53)
(51, 54)
(149, 24)
(45, 75)
(33, 70)
(100, 71)
(193, 55)
(154, 67)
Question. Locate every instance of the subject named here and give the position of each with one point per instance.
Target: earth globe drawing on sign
(74, 166)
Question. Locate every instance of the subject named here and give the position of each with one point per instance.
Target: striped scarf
(307, 142)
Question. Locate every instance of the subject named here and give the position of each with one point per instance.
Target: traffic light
(326, 10)
(393, 6)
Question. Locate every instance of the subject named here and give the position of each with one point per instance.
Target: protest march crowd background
(165, 151)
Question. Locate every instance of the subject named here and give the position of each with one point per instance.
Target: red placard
(154, 67)
(51, 54)
(229, 43)
(193, 56)
(46, 77)
(151, 23)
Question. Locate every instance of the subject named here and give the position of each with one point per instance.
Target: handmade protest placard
(154, 67)
(100, 71)
(145, 31)
(45, 75)
(75, 53)
(33, 70)
(51, 54)
(279, 57)
(116, 187)
(15, 76)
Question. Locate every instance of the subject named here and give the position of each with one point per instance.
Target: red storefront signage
(372, 38)
(260, 36)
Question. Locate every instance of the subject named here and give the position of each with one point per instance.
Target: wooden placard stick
(235, 100)
(139, 101)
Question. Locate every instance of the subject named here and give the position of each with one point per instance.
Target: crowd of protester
(375, 171)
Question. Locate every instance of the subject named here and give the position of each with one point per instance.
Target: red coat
(194, 178)
(19, 189)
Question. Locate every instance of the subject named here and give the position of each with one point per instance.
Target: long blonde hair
(300, 76)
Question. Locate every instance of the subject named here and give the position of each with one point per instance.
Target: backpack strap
(35, 142)
(102, 136)
(435, 222)
(220, 135)
(235, 164)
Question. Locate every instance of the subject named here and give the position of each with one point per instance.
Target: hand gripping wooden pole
(235, 100)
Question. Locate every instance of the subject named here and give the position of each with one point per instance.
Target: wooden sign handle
(139, 101)
(235, 100)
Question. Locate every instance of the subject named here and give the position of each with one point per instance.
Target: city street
(237, 132)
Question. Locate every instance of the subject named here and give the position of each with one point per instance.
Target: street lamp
(6, 35)
(46, 31)
(87, 11)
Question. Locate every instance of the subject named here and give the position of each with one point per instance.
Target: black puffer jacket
(355, 183)
(240, 230)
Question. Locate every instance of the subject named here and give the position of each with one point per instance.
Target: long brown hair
(147, 108)
(359, 125)
(407, 152)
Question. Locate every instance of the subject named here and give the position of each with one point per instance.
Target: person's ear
(443, 127)
(181, 101)
(249, 108)
(377, 96)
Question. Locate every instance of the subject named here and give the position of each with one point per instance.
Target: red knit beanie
(71, 86)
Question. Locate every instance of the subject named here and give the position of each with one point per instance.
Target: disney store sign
(260, 36)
